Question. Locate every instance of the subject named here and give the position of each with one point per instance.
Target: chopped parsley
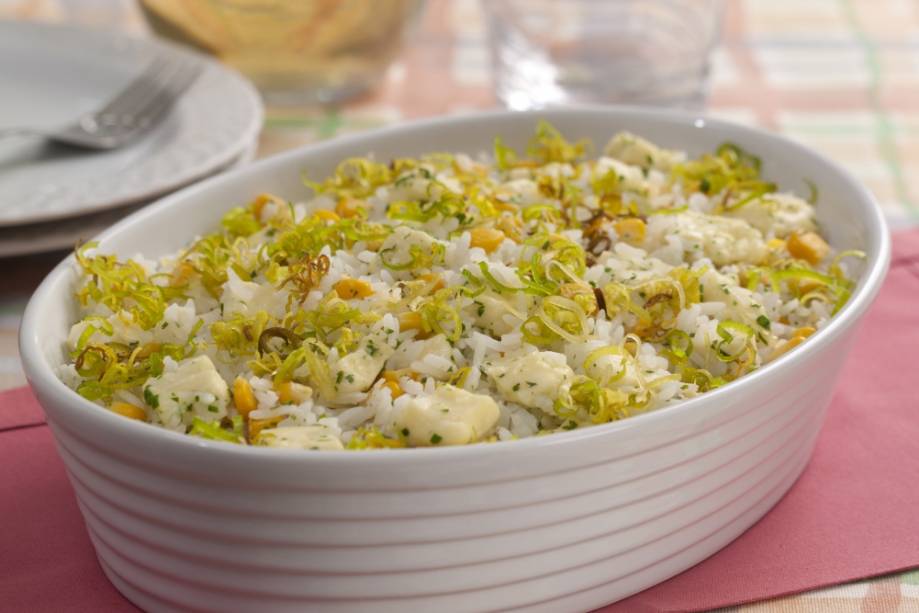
(150, 398)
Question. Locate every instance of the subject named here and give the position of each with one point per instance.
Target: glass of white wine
(295, 51)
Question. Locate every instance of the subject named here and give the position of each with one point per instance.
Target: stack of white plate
(51, 196)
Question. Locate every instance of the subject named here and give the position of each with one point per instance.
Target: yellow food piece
(582, 294)
(797, 337)
(257, 425)
(631, 230)
(316, 437)
(775, 244)
(394, 388)
(182, 274)
(146, 350)
(348, 289)
(433, 278)
(131, 411)
(347, 208)
(410, 320)
(808, 246)
(282, 210)
(326, 215)
(290, 392)
(243, 398)
(259, 203)
(511, 226)
(391, 378)
(488, 239)
(787, 346)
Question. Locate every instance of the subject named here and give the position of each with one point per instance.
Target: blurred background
(840, 75)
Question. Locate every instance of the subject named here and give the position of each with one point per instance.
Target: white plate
(61, 234)
(50, 75)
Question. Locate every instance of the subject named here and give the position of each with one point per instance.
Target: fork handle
(5, 132)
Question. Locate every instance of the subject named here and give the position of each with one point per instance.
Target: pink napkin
(850, 516)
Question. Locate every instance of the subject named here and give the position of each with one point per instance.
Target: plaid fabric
(841, 76)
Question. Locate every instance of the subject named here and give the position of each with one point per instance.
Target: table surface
(841, 76)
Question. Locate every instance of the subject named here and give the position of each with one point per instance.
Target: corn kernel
(631, 230)
(257, 425)
(243, 398)
(511, 226)
(808, 246)
(348, 289)
(775, 244)
(410, 320)
(347, 208)
(488, 239)
(290, 392)
(394, 389)
(326, 215)
(182, 274)
(436, 281)
(131, 411)
(787, 346)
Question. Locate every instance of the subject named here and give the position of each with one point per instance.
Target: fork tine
(132, 111)
(170, 87)
(137, 89)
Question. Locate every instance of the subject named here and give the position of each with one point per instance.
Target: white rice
(398, 370)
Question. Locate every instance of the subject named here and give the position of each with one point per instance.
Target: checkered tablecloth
(839, 75)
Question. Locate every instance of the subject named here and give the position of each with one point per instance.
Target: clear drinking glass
(295, 51)
(556, 52)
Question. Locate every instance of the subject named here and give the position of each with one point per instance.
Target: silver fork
(129, 115)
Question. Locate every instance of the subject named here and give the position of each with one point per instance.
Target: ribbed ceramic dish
(560, 523)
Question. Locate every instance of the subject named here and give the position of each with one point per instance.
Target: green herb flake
(150, 398)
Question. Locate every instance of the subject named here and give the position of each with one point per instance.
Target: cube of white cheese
(534, 380)
(192, 388)
(635, 150)
(492, 311)
(520, 191)
(356, 371)
(781, 213)
(247, 298)
(406, 246)
(449, 416)
(721, 239)
(316, 437)
(631, 178)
